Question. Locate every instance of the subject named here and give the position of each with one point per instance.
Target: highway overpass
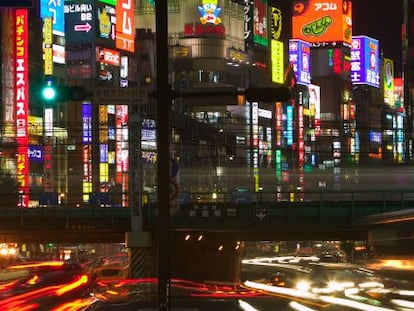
(328, 216)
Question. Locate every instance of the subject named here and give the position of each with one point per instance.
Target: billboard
(21, 88)
(318, 22)
(55, 10)
(260, 29)
(278, 74)
(125, 25)
(399, 93)
(248, 23)
(365, 66)
(315, 106)
(388, 81)
(80, 16)
(299, 57)
(105, 25)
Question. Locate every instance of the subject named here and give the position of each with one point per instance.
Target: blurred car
(110, 271)
(42, 285)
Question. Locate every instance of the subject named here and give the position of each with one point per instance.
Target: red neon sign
(21, 89)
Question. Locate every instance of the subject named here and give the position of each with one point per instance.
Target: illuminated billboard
(388, 81)
(21, 89)
(315, 106)
(318, 21)
(80, 17)
(86, 150)
(365, 66)
(47, 46)
(125, 25)
(299, 57)
(260, 31)
(278, 75)
(248, 23)
(399, 93)
(54, 9)
(105, 28)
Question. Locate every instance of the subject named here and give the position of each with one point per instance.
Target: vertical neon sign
(22, 97)
(125, 25)
(87, 150)
(121, 146)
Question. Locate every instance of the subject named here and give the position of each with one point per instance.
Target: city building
(79, 150)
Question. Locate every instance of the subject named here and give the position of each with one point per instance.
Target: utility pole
(164, 98)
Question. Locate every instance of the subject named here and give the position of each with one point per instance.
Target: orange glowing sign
(125, 25)
(318, 21)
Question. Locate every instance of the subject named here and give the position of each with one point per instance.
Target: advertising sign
(299, 57)
(107, 56)
(276, 23)
(317, 21)
(315, 106)
(278, 72)
(125, 25)
(260, 29)
(209, 12)
(55, 10)
(388, 78)
(80, 16)
(365, 66)
(105, 25)
(47, 49)
(35, 153)
(248, 23)
(21, 88)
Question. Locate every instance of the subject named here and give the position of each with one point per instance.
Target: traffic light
(49, 92)
(52, 93)
(267, 94)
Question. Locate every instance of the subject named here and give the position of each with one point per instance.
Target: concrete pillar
(141, 254)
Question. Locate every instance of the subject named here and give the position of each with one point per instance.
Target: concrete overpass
(260, 220)
(207, 237)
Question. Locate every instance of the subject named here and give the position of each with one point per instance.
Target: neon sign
(209, 12)
(22, 98)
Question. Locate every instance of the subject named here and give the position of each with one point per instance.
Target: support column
(141, 254)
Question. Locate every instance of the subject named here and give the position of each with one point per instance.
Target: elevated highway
(329, 215)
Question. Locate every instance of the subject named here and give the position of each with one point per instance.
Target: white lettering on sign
(325, 6)
(86, 16)
(126, 20)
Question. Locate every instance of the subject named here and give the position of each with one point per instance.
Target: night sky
(380, 20)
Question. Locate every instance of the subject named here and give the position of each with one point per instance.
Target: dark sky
(381, 20)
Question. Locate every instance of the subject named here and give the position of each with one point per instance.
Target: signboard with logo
(105, 25)
(260, 28)
(125, 25)
(365, 66)
(248, 23)
(80, 16)
(21, 88)
(388, 78)
(278, 68)
(107, 56)
(54, 9)
(299, 57)
(47, 49)
(317, 21)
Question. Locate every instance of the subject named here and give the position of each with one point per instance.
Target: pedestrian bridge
(324, 215)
